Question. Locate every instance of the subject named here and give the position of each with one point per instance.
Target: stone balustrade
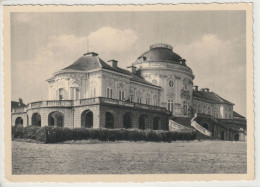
(83, 102)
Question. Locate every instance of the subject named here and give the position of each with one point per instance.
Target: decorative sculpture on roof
(74, 83)
(185, 94)
(93, 83)
(132, 91)
(120, 85)
(109, 82)
(139, 93)
(148, 95)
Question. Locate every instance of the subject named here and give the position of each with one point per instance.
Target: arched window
(171, 83)
(87, 119)
(36, 119)
(19, 121)
(170, 104)
(156, 122)
(127, 120)
(142, 121)
(56, 119)
(109, 120)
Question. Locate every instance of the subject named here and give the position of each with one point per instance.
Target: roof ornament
(161, 45)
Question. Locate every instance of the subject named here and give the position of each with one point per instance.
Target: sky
(212, 42)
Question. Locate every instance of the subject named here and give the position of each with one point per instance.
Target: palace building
(157, 93)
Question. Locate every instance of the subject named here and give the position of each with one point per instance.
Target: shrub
(58, 134)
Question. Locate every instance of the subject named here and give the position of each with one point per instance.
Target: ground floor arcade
(95, 114)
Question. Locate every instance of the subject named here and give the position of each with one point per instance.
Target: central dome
(160, 52)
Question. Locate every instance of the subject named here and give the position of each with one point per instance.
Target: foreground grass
(93, 157)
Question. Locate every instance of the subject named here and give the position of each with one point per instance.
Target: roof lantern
(161, 45)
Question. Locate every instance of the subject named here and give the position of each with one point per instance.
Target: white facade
(168, 83)
(101, 83)
(216, 110)
(174, 78)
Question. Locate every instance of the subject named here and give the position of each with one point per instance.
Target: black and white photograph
(152, 90)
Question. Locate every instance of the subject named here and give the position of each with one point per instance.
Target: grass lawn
(90, 157)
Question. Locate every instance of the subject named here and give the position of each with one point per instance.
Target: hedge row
(58, 134)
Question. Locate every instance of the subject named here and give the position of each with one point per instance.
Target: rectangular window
(77, 93)
(121, 95)
(93, 92)
(131, 98)
(71, 93)
(139, 100)
(109, 92)
(155, 103)
(61, 92)
(185, 108)
(148, 101)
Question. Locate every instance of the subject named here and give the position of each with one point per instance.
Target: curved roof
(210, 96)
(160, 52)
(91, 61)
(86, 63)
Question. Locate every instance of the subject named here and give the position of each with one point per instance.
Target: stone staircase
(201, 132)
(191, 124)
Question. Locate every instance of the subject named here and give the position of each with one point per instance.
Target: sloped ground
(90, 157)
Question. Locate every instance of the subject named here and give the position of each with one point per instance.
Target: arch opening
(222, 135)
(236, 137)
(19, 121)
(127, 120)
(109, 120)
(87, 119)
(36, 119)
(205, 126)
(56, 119)
(142, 122)
(156, 121)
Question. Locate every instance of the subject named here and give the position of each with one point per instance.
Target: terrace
(85, 102)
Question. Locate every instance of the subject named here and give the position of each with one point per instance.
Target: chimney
(133, 69)
(112, 63)
(91, 54)
(196, 88)
(20, 101)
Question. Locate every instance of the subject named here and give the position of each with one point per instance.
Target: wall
(119, 112)
(44, 112)
(23, 115)
(220, 111)
(160, 74)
